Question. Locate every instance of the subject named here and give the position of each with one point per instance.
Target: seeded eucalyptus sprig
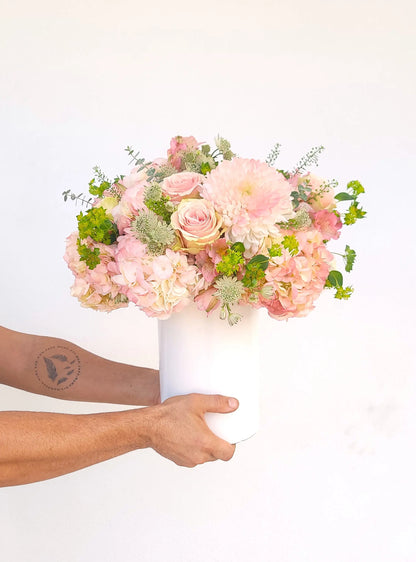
(68, 194)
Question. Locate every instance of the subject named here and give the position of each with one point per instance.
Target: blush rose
(197, 223)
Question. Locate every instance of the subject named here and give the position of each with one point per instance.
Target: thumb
(218, 403)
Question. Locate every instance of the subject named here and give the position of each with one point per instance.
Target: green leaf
(335, 278)
(349, 258)
(259, 261)
(343, 196)
(238, 247)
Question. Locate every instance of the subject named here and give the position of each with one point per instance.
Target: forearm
(37, 446)
(61, 369)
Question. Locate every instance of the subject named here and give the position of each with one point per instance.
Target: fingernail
(233, 403)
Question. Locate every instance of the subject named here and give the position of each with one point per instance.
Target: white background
(330, 476)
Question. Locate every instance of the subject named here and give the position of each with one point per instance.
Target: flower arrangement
(208, 226)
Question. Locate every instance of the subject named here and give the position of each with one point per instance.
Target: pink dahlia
(251, 196)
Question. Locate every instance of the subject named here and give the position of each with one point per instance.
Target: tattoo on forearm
(57, 367)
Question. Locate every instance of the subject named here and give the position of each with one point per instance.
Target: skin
(36, 446)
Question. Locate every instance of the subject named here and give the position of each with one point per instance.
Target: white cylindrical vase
(200, 354)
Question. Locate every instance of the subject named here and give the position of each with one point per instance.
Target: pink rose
(328, 224)
(184, 184)
(197, 222)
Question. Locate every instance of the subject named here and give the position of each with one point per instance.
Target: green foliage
(91, 257)
(301, 194)
(291, 244)
(68, 194)
(134, 157)
(343, 196)
(97, 224)
(275, 250)
(231, 261)
(354, 213)
(355, 187)
(349, 258)
(335, 279)
(157, 202)
(310, 159)
(238, 247)
(273, 155)
(255, 271)
(343, 293)
(284, 173)
(98, 190)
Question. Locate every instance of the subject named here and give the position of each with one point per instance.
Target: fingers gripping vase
(205, 355)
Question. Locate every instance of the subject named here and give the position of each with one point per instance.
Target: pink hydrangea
(251, 196)
(159, 285)
(297, 281)
(132, 199)
(94, 288)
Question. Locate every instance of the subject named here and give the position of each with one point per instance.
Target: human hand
(178, 430)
